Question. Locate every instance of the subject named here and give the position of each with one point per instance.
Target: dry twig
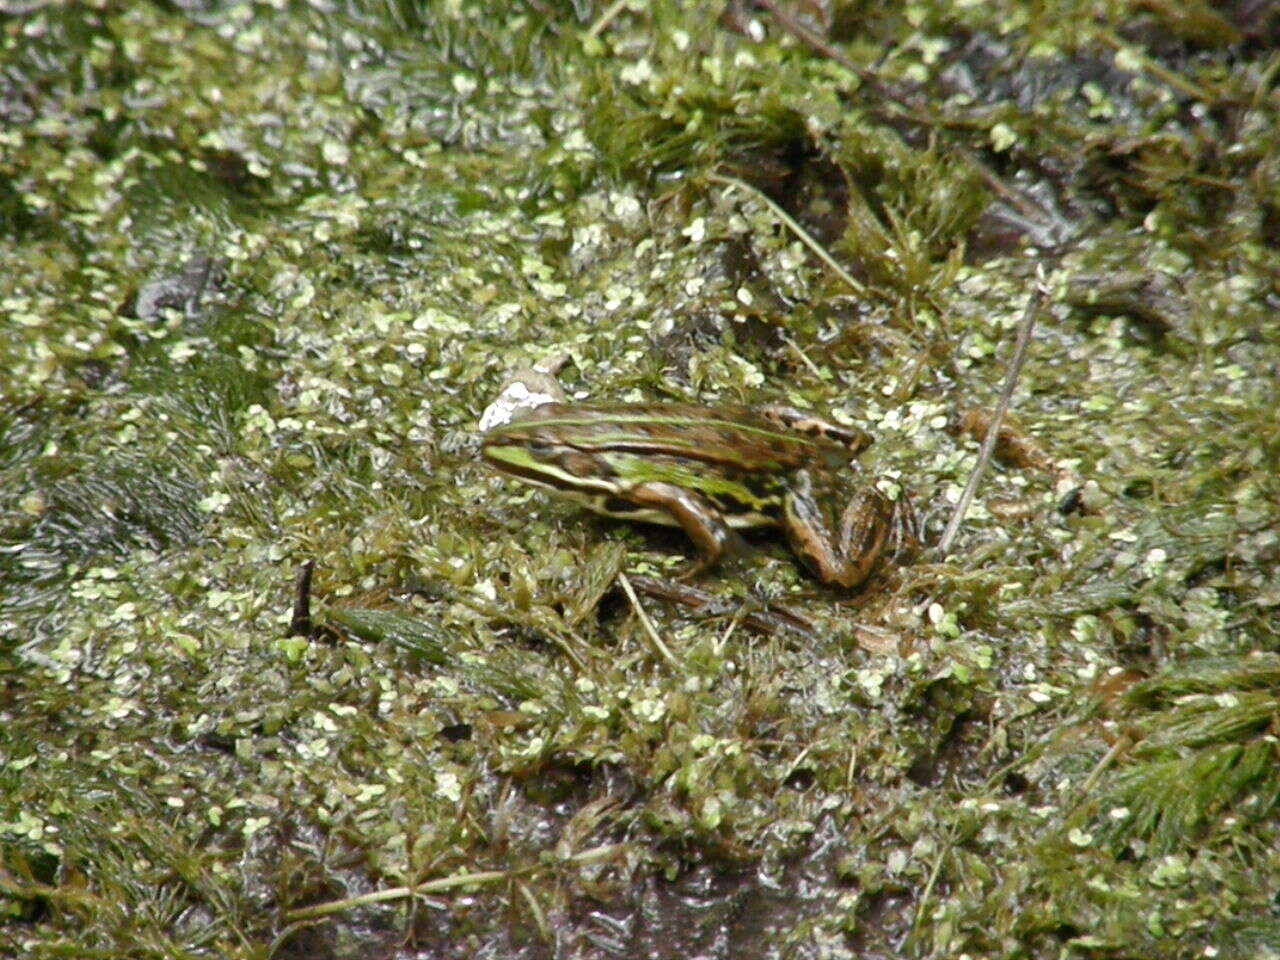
(993, 431)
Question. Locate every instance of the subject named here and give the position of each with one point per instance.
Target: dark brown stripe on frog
(696, 437)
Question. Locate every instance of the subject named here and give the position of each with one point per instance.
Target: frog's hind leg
(846, 555)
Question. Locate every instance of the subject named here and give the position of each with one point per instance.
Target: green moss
(1059, 738)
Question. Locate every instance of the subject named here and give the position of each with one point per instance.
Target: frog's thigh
(843, 557)
(698, 518)
(865, 525)
(904, 529)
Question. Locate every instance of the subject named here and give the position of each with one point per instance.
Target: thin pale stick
(444, 884)
(805, 237)
(993, 431)
(649, 630)
(606, 18)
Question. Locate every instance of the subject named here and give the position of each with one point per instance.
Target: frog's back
(744, 439)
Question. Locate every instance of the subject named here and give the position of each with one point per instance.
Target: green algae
(1060, 739)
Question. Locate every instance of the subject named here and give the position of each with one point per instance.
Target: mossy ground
(1060, 740)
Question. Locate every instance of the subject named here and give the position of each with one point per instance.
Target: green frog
(711, 471)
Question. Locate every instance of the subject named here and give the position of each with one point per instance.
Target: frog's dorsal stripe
(739, 507)
(730, 496)
(672, 423)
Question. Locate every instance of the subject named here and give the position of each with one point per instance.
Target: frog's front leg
(696, 516)
(846, 555)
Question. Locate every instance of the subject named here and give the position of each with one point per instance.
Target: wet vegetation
(268, 261)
